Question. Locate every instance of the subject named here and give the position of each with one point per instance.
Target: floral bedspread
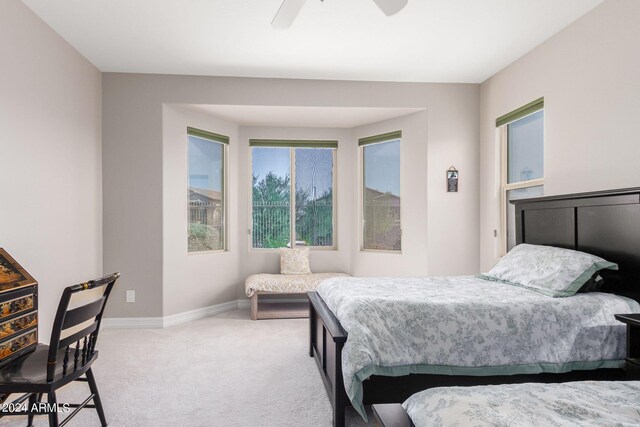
(469, 326)
(583, 403)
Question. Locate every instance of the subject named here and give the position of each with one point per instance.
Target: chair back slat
(82, 314)
(66, 319)
(65, 361)
(76, 356)
(65, 342)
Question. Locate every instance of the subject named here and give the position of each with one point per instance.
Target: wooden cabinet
(18, 310)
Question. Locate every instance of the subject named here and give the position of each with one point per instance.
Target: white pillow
(549, 270)
(294, 261)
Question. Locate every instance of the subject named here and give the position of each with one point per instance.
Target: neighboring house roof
(202, 194)
(379, 195)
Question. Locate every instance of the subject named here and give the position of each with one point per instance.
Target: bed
(606, 224)
(581, 403)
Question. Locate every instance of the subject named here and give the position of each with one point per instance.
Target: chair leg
(32, 401)
(96, 398)
(53, 415)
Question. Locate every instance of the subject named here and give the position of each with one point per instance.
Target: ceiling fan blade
(287, 13)
(391, 7)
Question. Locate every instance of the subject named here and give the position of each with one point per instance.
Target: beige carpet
(224, 370)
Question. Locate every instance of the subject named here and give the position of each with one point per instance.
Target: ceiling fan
(290, 8)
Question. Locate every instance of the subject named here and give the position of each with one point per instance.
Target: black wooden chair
(67, 358)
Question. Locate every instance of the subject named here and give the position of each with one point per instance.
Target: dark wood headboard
(603, 223)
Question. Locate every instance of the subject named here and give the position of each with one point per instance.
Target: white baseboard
(187, 316)
(179, 318)
(131, 323)
(174, 319)
(244, 303)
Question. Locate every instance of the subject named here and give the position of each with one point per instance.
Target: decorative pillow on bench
(294, 261)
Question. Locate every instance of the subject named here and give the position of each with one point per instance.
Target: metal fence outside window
(272, 222)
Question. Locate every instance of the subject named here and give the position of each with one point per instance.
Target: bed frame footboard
(326, 339)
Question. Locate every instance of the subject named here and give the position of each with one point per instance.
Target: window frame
(502, 124)
(224, 141)
(362, 143)
(292, 145)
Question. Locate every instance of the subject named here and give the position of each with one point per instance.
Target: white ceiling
(320, 117)
(428, 41)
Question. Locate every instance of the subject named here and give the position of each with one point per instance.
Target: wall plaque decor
(452, 180)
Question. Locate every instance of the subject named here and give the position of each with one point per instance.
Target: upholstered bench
(282, 284)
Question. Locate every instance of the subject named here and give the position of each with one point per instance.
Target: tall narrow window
(293, 197)
(206, 195)
(381, 227)
(522, 146)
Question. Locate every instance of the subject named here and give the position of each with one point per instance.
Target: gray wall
(438, 228)
(133, 159)
(588, 75)
(50, 136)
(197, 279)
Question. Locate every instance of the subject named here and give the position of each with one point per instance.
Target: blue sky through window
(268, 159)
(382, 167)
(526, 148)
(205, 164)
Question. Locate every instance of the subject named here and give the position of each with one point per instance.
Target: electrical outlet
(131, 296)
